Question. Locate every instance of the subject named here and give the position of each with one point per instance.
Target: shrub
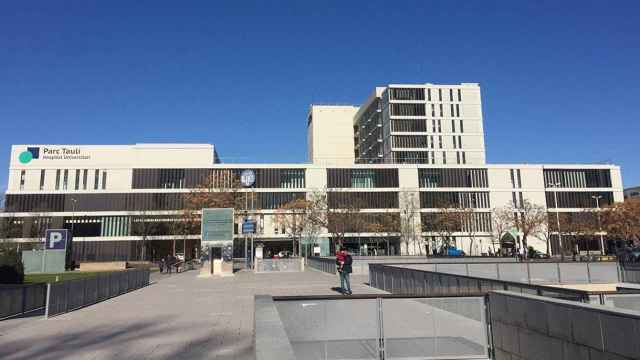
(11, 267)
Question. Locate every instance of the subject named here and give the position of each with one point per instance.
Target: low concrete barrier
(103, 266)
(534, 327)
(21, 299)
(74, 294)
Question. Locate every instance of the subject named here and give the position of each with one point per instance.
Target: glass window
(444, 157)
(461, 127)
(42, 174)
(23, 175)
(440, 96)
(429, 94)
(451, 95)
(96, 179)
(77, 183)
(85, 174)
(58, 179)
(457, 110)
(459, 95)
(104, 180)
(453, 125)
(65, 179)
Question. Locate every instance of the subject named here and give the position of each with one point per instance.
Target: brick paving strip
(181, 316)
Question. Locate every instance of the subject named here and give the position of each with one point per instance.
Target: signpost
(55, 243)
(217, 233)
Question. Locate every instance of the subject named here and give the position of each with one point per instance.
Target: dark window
(23, 176)
(452, 112)
(411, 157)
(407, 94)
(85, 174)
(42, 174)
(58, 179)
(441, 111)
(77, 183)
(409, 125)
(575, 199)
(464, 157)
(459, 95)
(461, 127)
(362, 178)
(451, 95)
(409, 141)
(578, 178)
(96, 179)
(65, 180)
(453, 126)
(104, 180)
(457, 110)
(454, 199)
(363, 200)
(440, 95)
(429, 93)
(215, 178)
(477, 222)
(436, 178)
(408, 109)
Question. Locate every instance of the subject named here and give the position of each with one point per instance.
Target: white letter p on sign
(54, 237)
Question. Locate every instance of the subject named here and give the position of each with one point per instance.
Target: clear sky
(560, 79)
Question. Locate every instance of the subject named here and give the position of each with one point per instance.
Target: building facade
(421, 124)
(408, 155)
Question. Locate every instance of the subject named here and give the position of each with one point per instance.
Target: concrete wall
(534, 327)
(330, 135)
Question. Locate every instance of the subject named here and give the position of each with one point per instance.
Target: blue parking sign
(56, 239)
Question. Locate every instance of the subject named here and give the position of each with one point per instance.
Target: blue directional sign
(248, 227)
(56, 239)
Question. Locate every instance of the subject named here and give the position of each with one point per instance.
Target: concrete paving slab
(179, 316)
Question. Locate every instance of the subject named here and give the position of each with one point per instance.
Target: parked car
(535, 254)
(452, 251)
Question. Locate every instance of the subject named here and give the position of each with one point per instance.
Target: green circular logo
(25, 157)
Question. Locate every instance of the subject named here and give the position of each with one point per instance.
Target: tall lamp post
(556, 185)
(597, 199)
(73, 215)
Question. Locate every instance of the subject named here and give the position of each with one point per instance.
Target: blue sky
(560, 80)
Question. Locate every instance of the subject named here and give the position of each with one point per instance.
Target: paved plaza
(181, 316)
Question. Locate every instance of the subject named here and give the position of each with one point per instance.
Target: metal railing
(327, 265)
(21, 299)
(371, 327)
(70, 295)
(414, 282)
(529, 272)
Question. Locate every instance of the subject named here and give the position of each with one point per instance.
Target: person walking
(345, 282)
(340, 255)
(161, 266)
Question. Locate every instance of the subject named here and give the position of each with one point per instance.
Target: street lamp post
(597, 199)
(556, 185)
(73, 215)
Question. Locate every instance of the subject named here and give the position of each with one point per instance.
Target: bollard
(48, 301)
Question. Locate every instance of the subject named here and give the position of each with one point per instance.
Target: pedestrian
(161, 265)
(345, 282)
(340, 254)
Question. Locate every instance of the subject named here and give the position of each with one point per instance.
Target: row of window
(63, 181)
(216, 178)
(126, 201)
(577, 178)
(460, 222)
(454, 199)
(575, 199)
(362, 200)
(362, 178)
(419, 94)
(434, 178)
